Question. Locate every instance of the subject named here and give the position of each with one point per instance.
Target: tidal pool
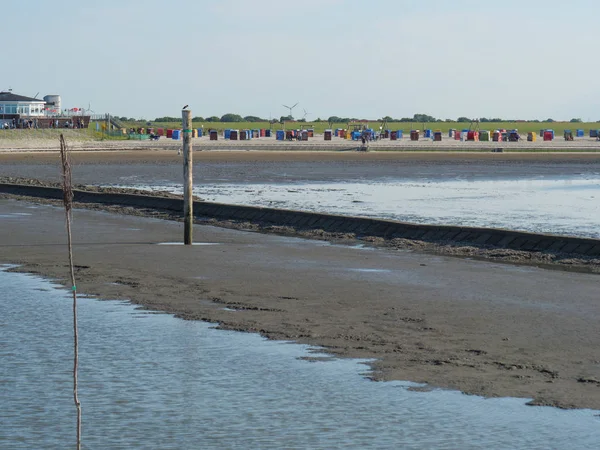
(149, 380)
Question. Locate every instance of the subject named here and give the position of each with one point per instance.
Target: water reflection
(152, 381)
(564, 205)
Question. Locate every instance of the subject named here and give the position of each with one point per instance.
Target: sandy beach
(127, 154)
(481, 327)
(47, 140)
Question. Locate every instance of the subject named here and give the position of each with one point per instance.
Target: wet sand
(480, 327)
(160, 154)
(477, 326)
(152, 166)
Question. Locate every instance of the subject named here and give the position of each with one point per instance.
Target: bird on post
(185, 106)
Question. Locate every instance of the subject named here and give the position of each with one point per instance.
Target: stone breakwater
(357, 226)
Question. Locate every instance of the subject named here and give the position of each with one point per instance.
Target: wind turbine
(291, 108)
(306, 113)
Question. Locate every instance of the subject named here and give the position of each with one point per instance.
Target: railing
(117, 123)
(107, 117)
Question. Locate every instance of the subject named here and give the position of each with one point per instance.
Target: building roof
(10, 97)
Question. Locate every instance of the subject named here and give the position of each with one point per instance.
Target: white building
(12, 105)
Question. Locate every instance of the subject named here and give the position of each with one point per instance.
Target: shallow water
(153, 381)
(568, 205)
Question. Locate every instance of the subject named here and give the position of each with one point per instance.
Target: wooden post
(188, 213)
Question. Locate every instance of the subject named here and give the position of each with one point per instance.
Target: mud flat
(479, 327)
(554, 251)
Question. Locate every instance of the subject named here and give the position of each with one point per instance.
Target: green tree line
(417, 118)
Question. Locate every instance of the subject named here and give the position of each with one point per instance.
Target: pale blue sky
(513, 59)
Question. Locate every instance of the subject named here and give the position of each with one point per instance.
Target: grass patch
(319, 127)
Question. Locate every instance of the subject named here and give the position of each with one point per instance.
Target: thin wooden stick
(68, 203)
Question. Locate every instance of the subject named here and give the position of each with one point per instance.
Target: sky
(527, 59)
